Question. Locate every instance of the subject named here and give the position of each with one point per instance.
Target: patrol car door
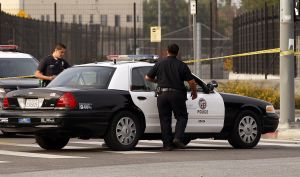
(143, 96)
(206, 112)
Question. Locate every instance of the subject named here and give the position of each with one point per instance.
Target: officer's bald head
(173, 49)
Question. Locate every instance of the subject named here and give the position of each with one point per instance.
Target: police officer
(52, 65)
(170, 74)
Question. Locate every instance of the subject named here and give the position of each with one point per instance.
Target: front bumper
(73, 123)
(270, 123)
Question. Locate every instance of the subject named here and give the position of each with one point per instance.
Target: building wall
(10, 6)
(114, 12)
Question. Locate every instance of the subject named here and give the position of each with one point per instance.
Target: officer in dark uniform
(52, 65)
(170, 74)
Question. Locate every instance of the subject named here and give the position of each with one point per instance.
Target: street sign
(193, 7)
(155, 34)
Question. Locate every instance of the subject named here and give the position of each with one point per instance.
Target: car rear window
(13, 67)
(84, 77)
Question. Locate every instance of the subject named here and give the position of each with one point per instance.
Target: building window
(62, 18)
(48, 17)
(103, 20)
(117, 20)
(91, 19)
(138, 18)
(80, 19)
(43, 17)
(74, 18)
(129, 18)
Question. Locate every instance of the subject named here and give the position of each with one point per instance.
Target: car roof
(9, 54)
(118, 64)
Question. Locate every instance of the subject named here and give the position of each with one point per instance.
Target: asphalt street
(21, 156)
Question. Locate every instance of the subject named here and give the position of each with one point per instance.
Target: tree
(174, 15)
(248, 5)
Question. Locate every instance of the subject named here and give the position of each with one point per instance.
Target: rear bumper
(74, 124)
(270, 123)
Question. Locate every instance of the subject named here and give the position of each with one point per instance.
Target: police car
(111, 100)
(16, 70)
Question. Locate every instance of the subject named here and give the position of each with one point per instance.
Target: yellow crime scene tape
(18, 77)
(267, 51)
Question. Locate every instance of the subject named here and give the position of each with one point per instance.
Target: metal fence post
(134, 27)
(55, 23)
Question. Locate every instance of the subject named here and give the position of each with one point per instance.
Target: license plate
(32, 103)
(24, 120)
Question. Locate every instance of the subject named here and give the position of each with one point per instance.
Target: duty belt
(168, 90)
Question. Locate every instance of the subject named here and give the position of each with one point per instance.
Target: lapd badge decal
(202, 105)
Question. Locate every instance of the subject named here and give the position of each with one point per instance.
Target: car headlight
(270, 109)
(2, 93)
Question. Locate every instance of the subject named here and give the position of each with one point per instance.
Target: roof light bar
(132, 57)
(8, 47)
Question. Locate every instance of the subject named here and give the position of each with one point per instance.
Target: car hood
(19, 83)
(233, 98)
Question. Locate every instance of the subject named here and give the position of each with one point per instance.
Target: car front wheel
(52, 142)
(246, 132)
(124, 131)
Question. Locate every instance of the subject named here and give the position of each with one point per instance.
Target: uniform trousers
(168, 102)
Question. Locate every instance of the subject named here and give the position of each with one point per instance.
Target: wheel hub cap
(126, 130)
(248, 129)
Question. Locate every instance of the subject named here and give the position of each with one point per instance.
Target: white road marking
(38, 155)
(132, 152)
(37, 146)
(4, 161)
(278, 144)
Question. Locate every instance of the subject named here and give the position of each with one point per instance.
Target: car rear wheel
(52, 142)
(246, 132)
(124, 132)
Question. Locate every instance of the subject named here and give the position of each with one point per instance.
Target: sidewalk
(286, 132)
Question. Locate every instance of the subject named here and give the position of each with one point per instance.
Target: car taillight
(5, 103)
(66, 101)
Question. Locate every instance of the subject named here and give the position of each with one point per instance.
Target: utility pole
(193, 8)
(159, 23)
(287, 95)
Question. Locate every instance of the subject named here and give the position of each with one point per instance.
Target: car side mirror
(212, 85)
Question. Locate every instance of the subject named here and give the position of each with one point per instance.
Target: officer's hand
(52, 77)
(194, 95)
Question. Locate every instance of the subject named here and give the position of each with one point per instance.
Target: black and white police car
(16, 70)
(111, 100)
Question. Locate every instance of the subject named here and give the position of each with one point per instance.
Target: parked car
(111, 100)
(16, 70)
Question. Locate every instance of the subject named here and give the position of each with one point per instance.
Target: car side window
(138, 81)
(200, 85)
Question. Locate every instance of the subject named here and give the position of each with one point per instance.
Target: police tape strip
(18, 77)
(268, 51)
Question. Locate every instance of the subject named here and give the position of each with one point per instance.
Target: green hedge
(247, 89)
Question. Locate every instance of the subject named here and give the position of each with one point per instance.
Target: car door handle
(141, 98)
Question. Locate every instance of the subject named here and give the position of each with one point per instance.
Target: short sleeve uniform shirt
(171, 73)
(50, 66)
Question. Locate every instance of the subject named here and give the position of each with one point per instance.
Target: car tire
(246, 131)
(52, 142)
(124, 132)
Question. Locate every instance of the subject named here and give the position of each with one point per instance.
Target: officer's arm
(41, 76)
(192, 84)
(150, 79)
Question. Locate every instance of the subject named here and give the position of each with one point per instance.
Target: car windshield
(13, 67)
(84, 77)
